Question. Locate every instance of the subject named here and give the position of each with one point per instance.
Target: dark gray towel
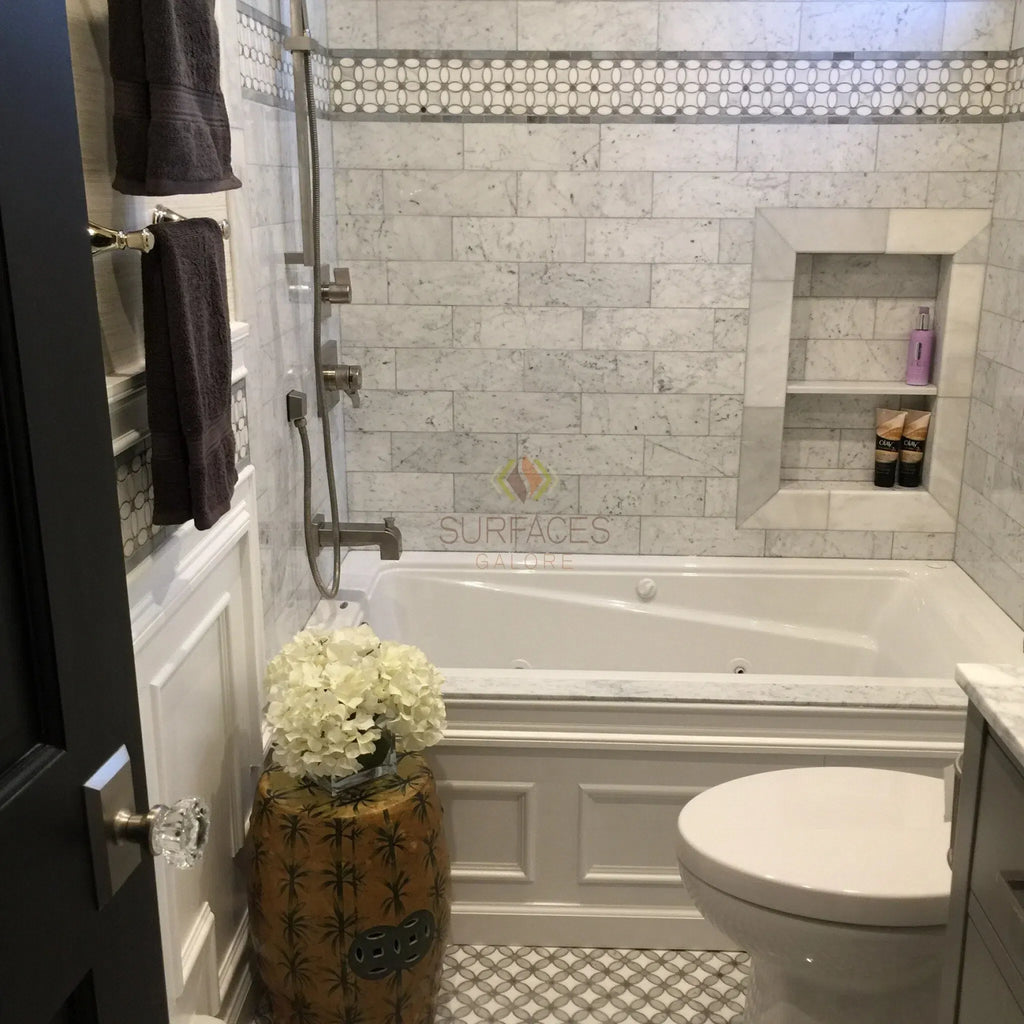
(171, 130)
(188, 372)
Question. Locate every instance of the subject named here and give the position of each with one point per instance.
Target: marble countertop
(998, 692)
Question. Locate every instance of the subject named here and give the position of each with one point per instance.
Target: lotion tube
(888, 431)
(915, 433)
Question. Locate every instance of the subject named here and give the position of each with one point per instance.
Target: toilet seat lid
(856, 845)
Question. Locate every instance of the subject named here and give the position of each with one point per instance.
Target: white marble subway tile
(378, 366)
(668, 147)
(833, 318)
(1011, 154)
(584, 194)
(568, 535)
(871, 25)
(410, 410)
(978, 25)
(736, 240)
(792, 510)
(807, 147)
(929, 546)
(956, 147)
(493, 411)
(970, 189)
(831, 230)
(858, 189)
(397, 145)
(456, 283)
(397, 326)
(774, 258)
(686, 194)
(853, 359)
(459, 370)
(934, 231)
(643, 240)
(584, 455)
(450, 193)
(443, 531)
(368, 450)
(585, 284)
(401, 492)
(478, 492)
(726, 415)
(518, 239)
(767, 364)
(896, 318)
(360, 192)
(687, 535)
(369, 281)
(701, 285)
(699, 373)
(720, 497)
(813, 448)
(954, 361)
(447, 24)
(729, 25)
(946, 439)
(352, 24)
(691, 456)
(588, 25)
(677, 330)
(843, 411)
(390, 238)
(642, 495)
(856, 449)
(517, 327)
(448, 452)
(730, 331)
(677, 415)
(870, 274)
(909, 511)
(828, 544)
(1009, 197)
(589, 372)
(524, 147)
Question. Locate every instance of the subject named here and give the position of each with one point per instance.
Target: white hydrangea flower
(331, 692)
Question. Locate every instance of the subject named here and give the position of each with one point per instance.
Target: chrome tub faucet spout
(386, 537)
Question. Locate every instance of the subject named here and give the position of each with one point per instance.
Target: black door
(67, 685)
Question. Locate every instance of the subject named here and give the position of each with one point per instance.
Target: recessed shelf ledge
(858, 387)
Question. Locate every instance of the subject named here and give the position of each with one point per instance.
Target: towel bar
(107, 239)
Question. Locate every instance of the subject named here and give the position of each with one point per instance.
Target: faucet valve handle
(389, 522)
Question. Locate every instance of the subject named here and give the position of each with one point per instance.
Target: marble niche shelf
(858, 387)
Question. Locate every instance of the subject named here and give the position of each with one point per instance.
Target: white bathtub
(581, 717)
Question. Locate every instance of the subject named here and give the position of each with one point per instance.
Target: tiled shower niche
(851, 317)
(833, 295)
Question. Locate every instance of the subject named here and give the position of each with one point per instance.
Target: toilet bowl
(835, 881)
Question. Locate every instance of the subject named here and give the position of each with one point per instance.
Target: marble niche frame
(960, 237)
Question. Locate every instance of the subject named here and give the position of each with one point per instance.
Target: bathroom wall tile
(450, 193)
(393, 145)
(726, 415)
(369, 281)
(954, 361)
(478, 492)
(710, 373)
(774, 257)
(860, 25)
(397, 326)
(920, 231)
(642, 495)
(730, 331)
(642, 240)
(913, 147)
(358, 191)
(522, 147)
(853, 230)
(585, 284)
(860, 189)
(874, 275)
(352, 24)
(895, 318)
(459, 369)
(684, 535)
(720, 497)
(691, 456)
(805, 147)
(520, 239)
(971, 189)
(984, 25)
(447, 452)
(413, 410)
(1003, 584)
(368, 450)
(433, 531)
(677, 415)
(699, 285)
(664, 147)
(833, 318)
(584, 194)
(378, 366)
(680, 330)
(598, 455)
(828, 544)
(387, 238)
(847, 359)
(930, 546)
(413, 492)
(589, 372)
(907, 511)
(771, 315)
(447, 24)
(588, 25)
(518, 411)
(815, 447)
(761, 454)
(606, 535)
(685, 194)
(729, 26)
(791, 509)
(857, 449)
(736, 240)
(461, 283)
(517, 327)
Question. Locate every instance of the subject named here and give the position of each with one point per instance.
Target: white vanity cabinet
(984, 979)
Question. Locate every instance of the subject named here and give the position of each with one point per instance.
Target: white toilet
(835, 881)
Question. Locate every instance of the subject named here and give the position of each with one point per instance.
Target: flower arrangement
(333, 696)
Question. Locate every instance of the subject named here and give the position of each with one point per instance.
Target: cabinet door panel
(985, 997)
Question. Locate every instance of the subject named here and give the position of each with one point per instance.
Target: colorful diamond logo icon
(523, 479)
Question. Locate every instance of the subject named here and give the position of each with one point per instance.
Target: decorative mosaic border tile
(139, 537)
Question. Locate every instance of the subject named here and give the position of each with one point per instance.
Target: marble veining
(998, 692)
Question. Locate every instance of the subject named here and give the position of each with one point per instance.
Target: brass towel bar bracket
(107, 239)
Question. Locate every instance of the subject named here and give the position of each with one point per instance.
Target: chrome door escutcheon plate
(108, 791)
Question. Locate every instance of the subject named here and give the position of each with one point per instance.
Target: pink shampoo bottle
(920, 349)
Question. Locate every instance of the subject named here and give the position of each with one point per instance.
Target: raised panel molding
(508, 804)
(597, 805)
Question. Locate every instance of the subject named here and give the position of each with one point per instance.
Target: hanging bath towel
(188, 372)
(171, 130)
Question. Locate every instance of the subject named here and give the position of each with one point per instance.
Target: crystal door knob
(177, 833)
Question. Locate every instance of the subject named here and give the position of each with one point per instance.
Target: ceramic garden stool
(349, 898)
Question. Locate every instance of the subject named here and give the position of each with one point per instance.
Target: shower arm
(300, 40)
